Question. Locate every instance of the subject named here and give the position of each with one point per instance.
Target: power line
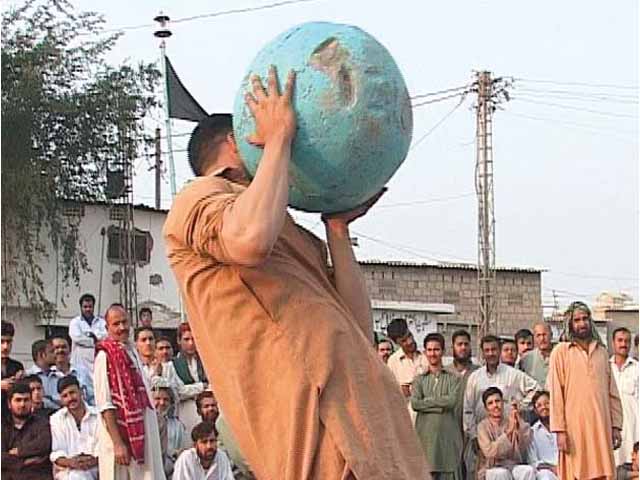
(577, 98)
(577, 126)
(447, 90)
(583, 275)
(581, 84)
(427, 201)
(208, 15)
(570, 107)
(578, 93)
(440, 122)
(436, 100)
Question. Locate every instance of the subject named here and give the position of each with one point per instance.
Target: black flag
(182, 105)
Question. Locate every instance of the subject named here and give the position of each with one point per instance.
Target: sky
(565, 147)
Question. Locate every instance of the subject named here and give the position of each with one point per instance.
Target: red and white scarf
(128, 394)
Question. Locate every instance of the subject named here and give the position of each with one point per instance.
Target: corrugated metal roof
(447, 265)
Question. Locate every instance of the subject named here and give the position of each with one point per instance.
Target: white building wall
(163, 299)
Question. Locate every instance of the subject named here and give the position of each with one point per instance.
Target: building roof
(446, 265)
(101, 203)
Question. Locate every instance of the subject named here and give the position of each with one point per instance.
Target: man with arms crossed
(269, 319)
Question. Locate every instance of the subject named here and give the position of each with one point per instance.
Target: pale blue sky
(566, 182)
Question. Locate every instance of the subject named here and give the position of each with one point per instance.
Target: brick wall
(519, 302)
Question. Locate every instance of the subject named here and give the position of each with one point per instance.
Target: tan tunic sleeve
(196, 218)
(492, 449)
(614, 400)
(555, 383)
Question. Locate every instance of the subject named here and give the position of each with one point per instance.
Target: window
(140, 247)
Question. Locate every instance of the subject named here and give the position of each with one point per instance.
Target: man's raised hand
(273, 112)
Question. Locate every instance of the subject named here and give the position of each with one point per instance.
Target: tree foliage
(67, 116)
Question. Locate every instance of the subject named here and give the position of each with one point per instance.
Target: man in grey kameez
(435, 397)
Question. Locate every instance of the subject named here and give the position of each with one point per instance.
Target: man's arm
(78, 336)
(348, 277)
(253, 223)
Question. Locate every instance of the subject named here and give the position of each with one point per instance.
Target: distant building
(433, 297)
(444, 296)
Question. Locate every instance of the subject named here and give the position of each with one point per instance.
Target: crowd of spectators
(97, 405)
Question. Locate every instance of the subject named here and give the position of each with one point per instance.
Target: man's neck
(188, 356)
(64, 367)
(492, 369)
(205, 463)
(620, 359)
(147, 359)
(411, 355)
(545, 422)
(79, 413)
(461, 365)
(5, 361)
(19, 422)
(545, 353)
(495, 420)
(584, 343)
(44, 366)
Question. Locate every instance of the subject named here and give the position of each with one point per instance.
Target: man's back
(289, 358)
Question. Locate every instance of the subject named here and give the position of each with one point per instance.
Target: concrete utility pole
(158, 169)
(490, 93)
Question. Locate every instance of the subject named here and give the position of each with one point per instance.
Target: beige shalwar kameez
(585, 404)
(300, 384)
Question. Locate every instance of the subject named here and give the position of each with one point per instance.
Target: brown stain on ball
(331, 58)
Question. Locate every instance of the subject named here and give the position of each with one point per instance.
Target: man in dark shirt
(26, 439)
(12, 370)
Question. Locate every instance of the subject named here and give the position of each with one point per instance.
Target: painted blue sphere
(353, 114)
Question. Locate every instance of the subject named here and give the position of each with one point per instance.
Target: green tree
(66, 116)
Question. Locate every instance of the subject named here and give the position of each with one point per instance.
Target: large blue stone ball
(353, 112)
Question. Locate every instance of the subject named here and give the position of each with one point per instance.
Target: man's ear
(231, 140)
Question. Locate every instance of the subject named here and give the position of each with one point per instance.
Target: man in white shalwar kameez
(128, 445)
(625, 372)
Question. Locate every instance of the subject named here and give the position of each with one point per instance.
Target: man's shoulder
(59, 416)
(200, 188)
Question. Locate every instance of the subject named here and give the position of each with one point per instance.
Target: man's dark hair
(635, 340)
(489, 339)
(87, 296)
(504, 341)
(384, 340)
(635, 447)
(67, 381)
(206, 137)
(37, 348)
(490, 391)
(58, 336)
(163, 338)
(537, 395)
(144, 310)
(20, 387)
(398, 328)
(523, 333)
(434, 337)
(33, 378)
(203, 430)
(620, 329)
(139, 330)
(201, 396)
(7, 329)
(460, 333)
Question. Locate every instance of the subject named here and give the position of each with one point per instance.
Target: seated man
(172, 431)
(26, 438)
(207, 406)
(204, 460)
(543, 449)
(74, 434)
(502, 442)
(629, 471)
(37, 396)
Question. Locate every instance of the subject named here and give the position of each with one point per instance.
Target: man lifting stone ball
(286, 343)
